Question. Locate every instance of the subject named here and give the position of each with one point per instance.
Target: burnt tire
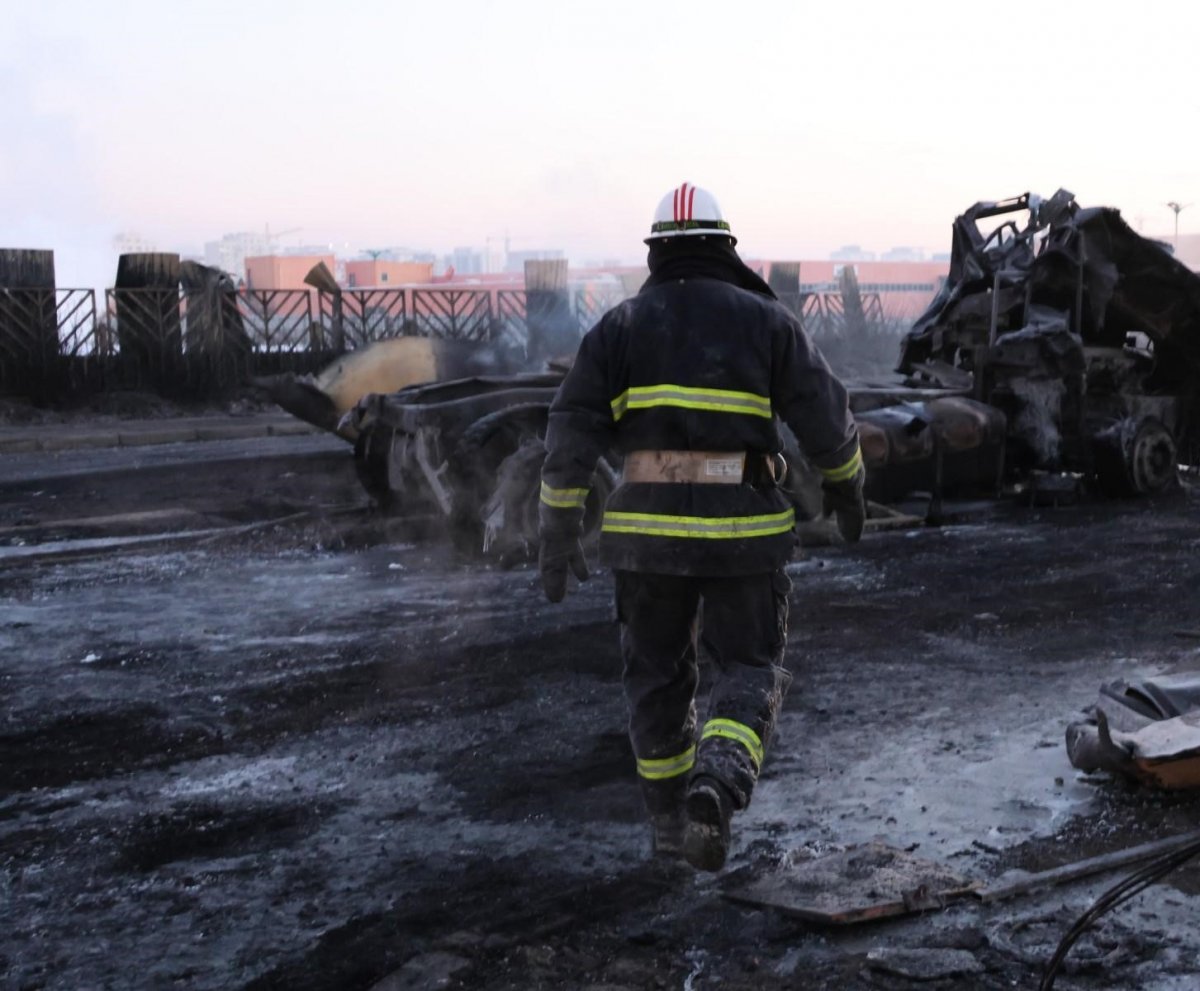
(372, 450)
(497, 485)
(475, 464)
(1136, 458)
(510, 514)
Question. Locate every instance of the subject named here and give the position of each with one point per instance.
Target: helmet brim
(672, 235)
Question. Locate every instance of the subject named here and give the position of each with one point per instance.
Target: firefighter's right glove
(845, 500)
(558, 553)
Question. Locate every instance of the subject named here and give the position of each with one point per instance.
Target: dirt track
(289, 760)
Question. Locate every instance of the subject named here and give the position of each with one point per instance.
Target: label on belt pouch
(723, 467)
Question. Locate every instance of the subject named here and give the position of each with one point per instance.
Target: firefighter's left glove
(845, 500)
(558, 553)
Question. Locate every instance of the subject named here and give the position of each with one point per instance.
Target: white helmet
(686, 210)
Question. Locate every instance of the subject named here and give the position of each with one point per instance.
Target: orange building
(905, 288)
(378, 273)
(282, 271)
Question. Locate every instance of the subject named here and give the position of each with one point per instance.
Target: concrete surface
(26, 438)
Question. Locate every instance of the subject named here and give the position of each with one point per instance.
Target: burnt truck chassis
(471, 450)
(1085, 334)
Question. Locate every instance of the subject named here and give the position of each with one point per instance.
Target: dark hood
(675, 258)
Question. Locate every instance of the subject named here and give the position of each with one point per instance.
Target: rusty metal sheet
(871, 881)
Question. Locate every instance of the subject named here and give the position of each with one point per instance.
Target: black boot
(669, 831)
(706, 840)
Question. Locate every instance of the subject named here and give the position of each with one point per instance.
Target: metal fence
(53, 341)
(198, 343)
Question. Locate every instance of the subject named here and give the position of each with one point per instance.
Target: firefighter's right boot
(706, 839)
(669, 830)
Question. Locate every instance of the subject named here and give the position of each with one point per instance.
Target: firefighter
(687, 382)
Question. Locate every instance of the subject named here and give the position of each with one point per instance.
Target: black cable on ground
(1133, 885)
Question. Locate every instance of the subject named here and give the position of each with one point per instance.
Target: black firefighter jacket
(693, 365)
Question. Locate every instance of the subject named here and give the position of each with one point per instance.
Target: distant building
(904, 288)
(383, 273)
(132, 243)
(307, 250)
(515, 260)
(283, 271)
(902, 253)
(851, 253)
(465, 261)
(230, 252)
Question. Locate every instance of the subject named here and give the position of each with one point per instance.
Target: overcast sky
(438, 124)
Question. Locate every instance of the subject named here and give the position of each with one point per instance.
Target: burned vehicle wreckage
(1061, 356)
(1085, 335)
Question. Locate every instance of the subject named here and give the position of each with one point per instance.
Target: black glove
(557, 553)
(846, 500)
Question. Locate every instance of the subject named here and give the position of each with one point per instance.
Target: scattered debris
(1148, 730)
(872, 881)
(924, 963)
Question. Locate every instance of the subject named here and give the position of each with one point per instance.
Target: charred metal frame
(1041, 316)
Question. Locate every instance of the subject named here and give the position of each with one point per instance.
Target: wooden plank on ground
(872, 881)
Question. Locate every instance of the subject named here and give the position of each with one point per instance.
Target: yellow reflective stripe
(739, 733)
(848, 470)
(703, 527)
(564, 498)
(667, 767)
(685, 397)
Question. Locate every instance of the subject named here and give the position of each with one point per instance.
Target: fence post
(216, 347)
(321, 279)
(852, 305)
(784, 279)
(552, 329)
(28, 321)
(149, 329)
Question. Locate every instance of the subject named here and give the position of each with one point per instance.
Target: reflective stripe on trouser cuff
(703, 527)
(848, 470)
(683, 397)
(739, 733)
(667, 767)
(563, 498)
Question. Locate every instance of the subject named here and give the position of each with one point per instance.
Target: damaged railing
(203, 341)
(43, 332)
(54, 341)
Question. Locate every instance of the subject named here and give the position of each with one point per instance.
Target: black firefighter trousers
(742, 623)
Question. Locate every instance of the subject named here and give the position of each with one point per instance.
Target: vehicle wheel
(1152, 459)
(510, 513)
(1136, 457)
(475, 465)
(372, 452)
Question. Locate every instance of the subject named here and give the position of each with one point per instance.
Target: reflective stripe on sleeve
(848, 470)
(699, 527)
(564, 498)
(667, 767)
(718, 400)
(739, 733)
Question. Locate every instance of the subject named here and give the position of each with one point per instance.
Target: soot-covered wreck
(1085, 335)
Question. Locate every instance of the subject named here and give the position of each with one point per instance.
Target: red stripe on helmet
(675, 206)
(691, 202)
(682, 202)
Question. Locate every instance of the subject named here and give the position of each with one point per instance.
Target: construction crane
(278, 234)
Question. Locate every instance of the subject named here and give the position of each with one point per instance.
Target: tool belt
(703, 467)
